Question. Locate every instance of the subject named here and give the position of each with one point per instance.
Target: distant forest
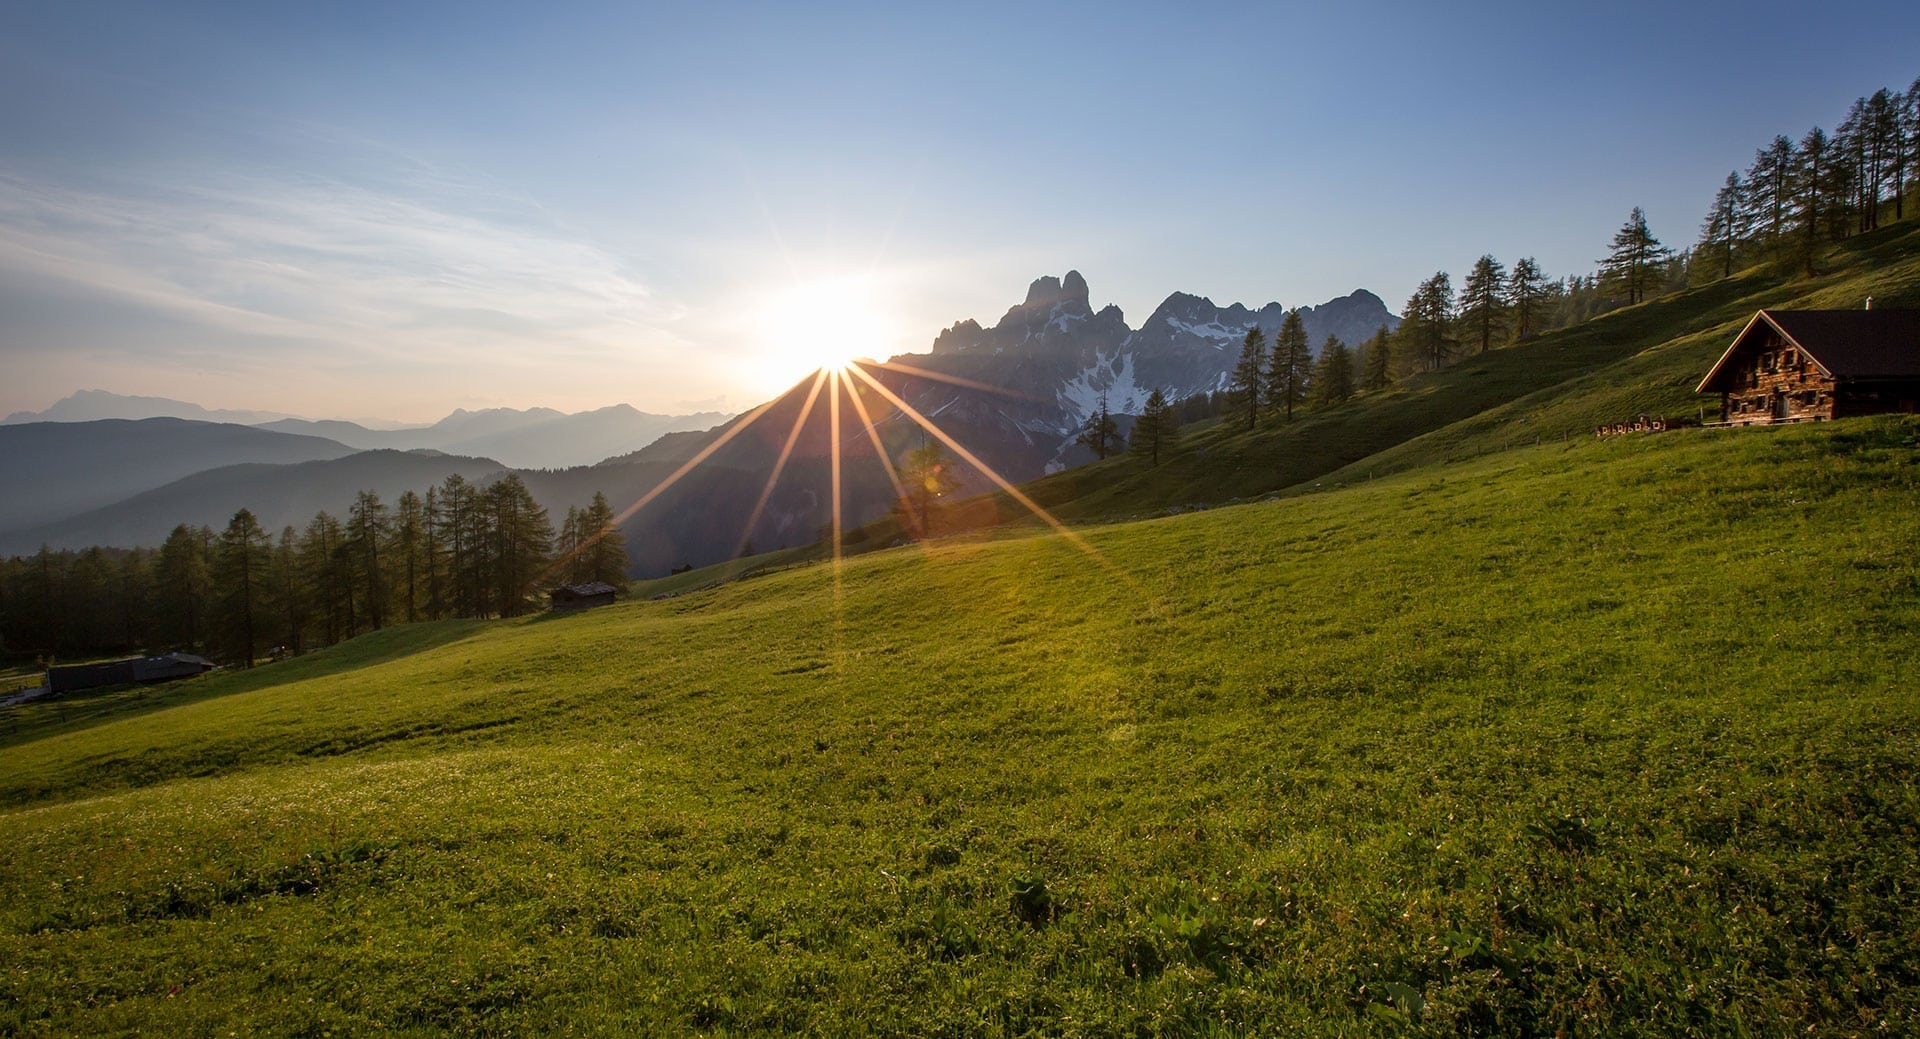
(236, 595)
(461, 550)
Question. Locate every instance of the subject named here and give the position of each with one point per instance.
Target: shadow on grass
(79, 711)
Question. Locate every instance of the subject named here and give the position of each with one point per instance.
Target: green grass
(1596, 738)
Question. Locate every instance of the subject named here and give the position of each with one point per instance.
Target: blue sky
(398, 209)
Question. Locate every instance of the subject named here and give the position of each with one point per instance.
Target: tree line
(237, 594)
(1797, 196)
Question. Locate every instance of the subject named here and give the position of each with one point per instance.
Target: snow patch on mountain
(1113, 379)
(1212, 330)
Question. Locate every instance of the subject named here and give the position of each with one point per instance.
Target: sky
(391, 210)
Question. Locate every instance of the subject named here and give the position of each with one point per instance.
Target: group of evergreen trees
(1797, 197)
(1277, 382)
(459, 550)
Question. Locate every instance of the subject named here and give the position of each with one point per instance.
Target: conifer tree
(1426, 327)
(1721, 230)
(1157, 429)
(1377, 361)
(367, 524)
(1483, 304)
(321, 550)
(241, 571)
(182, 583)
(522, 543)
(1635, 261)
(605, 548)
(1333, 373)
(1290, 367)
(288, 591)
(568, 546)
(1099, 434)
(1244, 383)
(1770, 186)
(1811, 184)
(1526, 295)
(407, 551)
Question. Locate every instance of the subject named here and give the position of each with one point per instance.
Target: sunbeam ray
(780, 465)
(988, 471)
(907, 369)
(879, 449)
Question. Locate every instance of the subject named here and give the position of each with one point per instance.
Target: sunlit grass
(1595, 738)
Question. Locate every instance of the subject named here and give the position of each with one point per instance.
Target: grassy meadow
(1586, 738)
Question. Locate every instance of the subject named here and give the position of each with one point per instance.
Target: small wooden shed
(582, 596)
(1813, 365)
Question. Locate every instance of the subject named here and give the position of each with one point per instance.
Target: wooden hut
(582, 596)
(1813, 365)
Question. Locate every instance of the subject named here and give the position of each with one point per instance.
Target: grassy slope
(1596, 737)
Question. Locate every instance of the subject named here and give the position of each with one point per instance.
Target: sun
(826, 323)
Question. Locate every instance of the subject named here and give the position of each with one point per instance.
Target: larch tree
(243, 560)
(1483, 302)
(1376, 361)
(1426, 326)
(1770, 187)
(407, 550)
(1333, 373)
(1099, 434)
(602, 545)
(1526, 296)
(1721, 230)
(1244, 383)
(1811, 182)
(1635, 260)
(1290, 368)
(1156, 430)
(367, 525)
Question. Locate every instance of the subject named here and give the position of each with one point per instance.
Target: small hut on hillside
(1814, 365)
(582, 596)
(163, 668)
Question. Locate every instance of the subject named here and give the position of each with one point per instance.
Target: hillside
(1642, 359)
(1586, 738)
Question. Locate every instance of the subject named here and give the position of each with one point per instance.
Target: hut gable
(1812, 365)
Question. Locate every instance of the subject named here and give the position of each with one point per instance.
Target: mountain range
(1014, 393)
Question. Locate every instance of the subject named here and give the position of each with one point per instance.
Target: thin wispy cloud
(446, 273)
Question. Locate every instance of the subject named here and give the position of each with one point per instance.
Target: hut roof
(1845, 344)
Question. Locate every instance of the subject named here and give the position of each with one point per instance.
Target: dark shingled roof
(1846, 344)
(590, 588)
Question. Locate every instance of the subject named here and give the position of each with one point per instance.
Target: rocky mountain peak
(1047, 291)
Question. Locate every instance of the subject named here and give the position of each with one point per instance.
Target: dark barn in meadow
(1814, 365)
(582, 596)
(164, 668)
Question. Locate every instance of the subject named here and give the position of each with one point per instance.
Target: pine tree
(1483, 303)
(1525, 295)
(1099, 433)
(1636, 259)
(242, 565)
(1333, 373)
(1244, 383)
(1291, 366)
(604, 547)
(1377, 361)
(1157, 429)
